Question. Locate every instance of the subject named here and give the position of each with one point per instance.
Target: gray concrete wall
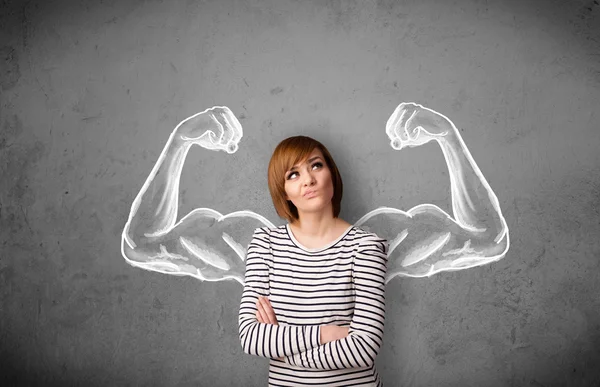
(92, 89)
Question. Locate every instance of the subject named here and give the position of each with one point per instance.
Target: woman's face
(308, 184)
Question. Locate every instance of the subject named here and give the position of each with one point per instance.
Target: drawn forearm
(475, 206)
(154, 210)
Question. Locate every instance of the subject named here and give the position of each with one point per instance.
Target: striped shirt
(340, 284)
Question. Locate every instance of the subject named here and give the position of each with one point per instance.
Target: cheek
(327, 178)
(328, 182)
(290, 190)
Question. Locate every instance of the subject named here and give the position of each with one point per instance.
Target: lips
(310, 193)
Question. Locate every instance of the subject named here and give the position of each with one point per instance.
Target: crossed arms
(308, 346)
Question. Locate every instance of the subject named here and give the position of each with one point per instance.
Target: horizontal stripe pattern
(342, 284)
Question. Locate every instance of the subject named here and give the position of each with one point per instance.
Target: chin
(316, 205)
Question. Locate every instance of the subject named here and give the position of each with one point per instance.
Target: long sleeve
(365, 335)
(267, 340)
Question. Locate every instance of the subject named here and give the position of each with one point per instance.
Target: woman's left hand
(264, 311)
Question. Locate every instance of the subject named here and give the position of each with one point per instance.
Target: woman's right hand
(332, 333)
(214, 129)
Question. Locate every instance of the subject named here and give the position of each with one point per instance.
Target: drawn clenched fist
(412, 125)
(215, 128)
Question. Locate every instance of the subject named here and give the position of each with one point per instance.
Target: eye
(317, 165)
(291, 175)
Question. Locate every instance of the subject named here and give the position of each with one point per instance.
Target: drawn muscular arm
(426, 240)
(204, 243)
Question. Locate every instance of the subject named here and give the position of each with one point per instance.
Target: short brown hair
(288, 153)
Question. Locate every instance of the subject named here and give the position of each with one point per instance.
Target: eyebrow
(307, 162)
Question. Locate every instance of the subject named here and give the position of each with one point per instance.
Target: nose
(309, 179)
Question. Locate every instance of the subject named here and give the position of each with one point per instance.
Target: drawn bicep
(204, 244)
(426, 240)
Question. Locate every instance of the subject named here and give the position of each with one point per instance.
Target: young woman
(313, 296)
(313, 299)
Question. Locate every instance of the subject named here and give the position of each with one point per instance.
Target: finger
(206, 140)
(238, 131)
(218, 136)
(262, 318)
(226, 117)
(396, 143)
(262, 306)
(261, 313)
(263, 309)
(270, 312)
(259, 317)
(232, 129)
(267, 312)
(408, 124)
(392, 122)
(258, 314)
(212, 137)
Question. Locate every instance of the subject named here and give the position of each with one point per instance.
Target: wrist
(178, 141)
(450, 139)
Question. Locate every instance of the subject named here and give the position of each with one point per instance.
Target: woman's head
(303, 175)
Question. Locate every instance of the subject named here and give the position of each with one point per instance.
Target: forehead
(315, 153)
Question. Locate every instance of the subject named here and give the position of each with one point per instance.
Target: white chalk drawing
(211, 246)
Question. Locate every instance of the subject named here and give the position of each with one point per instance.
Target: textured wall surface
(90, 91)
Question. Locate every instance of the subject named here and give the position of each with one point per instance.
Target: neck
(318, 224)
